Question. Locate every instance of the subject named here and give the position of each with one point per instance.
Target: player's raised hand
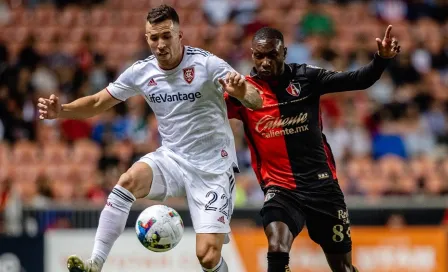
(49, 108)
(388, 47)
(234, 84)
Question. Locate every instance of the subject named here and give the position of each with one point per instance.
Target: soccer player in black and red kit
(290, 154)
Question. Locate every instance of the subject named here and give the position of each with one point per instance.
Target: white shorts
(210, 196)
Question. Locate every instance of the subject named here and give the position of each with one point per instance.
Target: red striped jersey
(288, 148)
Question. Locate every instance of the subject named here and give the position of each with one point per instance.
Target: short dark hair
(162, 13)
(268, 33)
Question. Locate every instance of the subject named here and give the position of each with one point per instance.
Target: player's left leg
(335, 240)
(210, 199)
(341, 262)
(208, 251)
(329, 226)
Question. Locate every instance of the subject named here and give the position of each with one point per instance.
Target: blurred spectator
(73, 130)
(436, 119)
(98, 76)
(57, 58)
(440, 54)
(254, 23)
(5, 13)
(44, 80)
(417, 135)
(391, 10)
(396, 221)
(110, 128)
(420, 8)
(217, 11)
(28, 56)
(402, 70)
(86, 54)
(421, 59)
(388, 140)
(382, 91)
(315, 21)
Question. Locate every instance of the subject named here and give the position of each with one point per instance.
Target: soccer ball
(159, 228)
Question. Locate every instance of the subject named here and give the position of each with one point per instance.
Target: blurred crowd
(388, 140)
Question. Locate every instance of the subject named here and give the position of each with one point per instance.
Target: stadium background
(390, 142)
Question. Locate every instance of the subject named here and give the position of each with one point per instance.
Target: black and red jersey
(288, 148)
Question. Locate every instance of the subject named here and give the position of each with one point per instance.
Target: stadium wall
(378, 249)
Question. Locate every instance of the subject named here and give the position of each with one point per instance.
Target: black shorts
(324, 213)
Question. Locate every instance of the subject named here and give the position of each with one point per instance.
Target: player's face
(164, 40)
(268, 56)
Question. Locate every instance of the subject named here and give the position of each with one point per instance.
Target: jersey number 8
(338, 235)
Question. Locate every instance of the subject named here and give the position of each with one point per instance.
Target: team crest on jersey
(294, 89)
(189, 74)
(224, 153)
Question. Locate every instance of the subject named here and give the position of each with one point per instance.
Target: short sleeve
(217, 68)
(124, 87)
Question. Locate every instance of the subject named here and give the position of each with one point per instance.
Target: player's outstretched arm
(236, 85)
(363, 78)
(81, 108)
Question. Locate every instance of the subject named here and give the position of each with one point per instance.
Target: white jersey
(189, 105)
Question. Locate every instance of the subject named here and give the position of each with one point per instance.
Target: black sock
(278, 262)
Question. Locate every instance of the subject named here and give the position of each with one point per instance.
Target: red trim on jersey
(329, 159)
(113, 96)
(327, 150)
(233, 110)
(255, 161)
(277, 169)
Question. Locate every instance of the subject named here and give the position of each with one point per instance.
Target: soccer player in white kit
(184, 86)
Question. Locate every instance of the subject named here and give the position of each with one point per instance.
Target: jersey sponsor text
(163, 98)
(270, 126)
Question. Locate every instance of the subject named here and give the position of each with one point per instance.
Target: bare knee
(276, 244)
(208, 256)
(208, 250)
(279, 237)
(137, 180)
(127, 181)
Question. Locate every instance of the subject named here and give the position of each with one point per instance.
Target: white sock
(112, 222)
(220, 267)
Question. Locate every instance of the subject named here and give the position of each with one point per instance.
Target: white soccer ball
(159, 228)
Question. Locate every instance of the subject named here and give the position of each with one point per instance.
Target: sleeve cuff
(377, 56)
(107, 89)
(383, 62)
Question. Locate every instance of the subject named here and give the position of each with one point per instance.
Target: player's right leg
(281, 225)
(143, 179)
(280, 241)
(210, 199)
(208, 251)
